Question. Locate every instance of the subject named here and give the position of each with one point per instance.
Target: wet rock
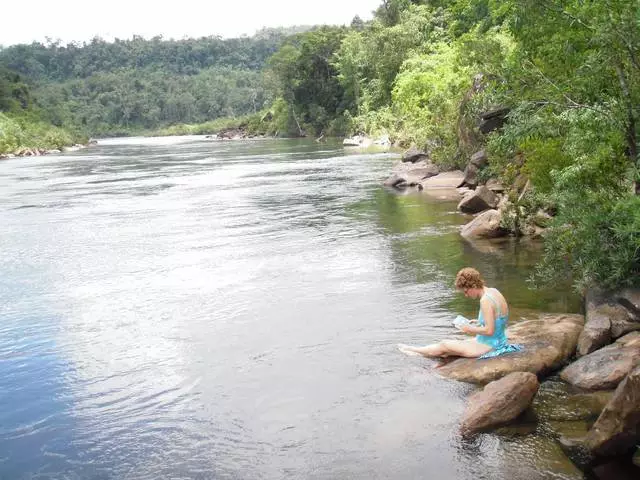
(479, 200)
(500, 402)
(548, 341)
(451, 179)
(605, 368)
(414, 155)
(618, 426)
(597, 330)
(485, 225)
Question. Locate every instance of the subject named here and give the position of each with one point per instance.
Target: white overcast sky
(79, 20)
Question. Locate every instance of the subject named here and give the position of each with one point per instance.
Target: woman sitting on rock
(489, 330)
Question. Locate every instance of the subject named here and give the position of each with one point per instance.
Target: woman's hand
(468, 329)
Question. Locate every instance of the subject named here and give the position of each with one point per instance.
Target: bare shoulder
(501, 299)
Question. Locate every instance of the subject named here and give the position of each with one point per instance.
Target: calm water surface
(182, 308)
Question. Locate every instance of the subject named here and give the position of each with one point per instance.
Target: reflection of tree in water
(426, 245)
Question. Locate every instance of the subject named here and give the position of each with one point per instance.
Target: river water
(185, 308)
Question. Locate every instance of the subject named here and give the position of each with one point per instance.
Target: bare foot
(407, 350)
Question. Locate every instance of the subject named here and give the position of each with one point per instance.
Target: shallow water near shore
(181, 307)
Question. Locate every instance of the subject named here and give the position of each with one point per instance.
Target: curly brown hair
(469, 278)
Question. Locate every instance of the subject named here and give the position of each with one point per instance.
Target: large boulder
(597, 330)
(500, 402)
(470, 175)
(605, 368)
(548, 342)
(485, 225)
(617, 429)
(479, 200)
(414, 155)
(451, 179)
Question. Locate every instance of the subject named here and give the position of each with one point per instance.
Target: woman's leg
(459, 348)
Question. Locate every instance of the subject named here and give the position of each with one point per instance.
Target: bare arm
(489, 320)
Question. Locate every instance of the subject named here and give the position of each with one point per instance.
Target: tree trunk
(630, 134)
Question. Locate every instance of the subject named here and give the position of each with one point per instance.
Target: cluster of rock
(487, 202)
(362, 141)
(36, 152)
(598, 414)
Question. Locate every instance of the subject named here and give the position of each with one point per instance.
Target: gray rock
(548, 341)
(605, 368)
(414, 155)
(630, 298)
(479, 159)
(500, 402)
(618, 427)
(622, 321)
(411, 177)
(597, 330)
(480, 200)
(485, 225)
(470, 175)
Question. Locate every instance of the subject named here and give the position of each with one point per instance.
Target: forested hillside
(131, 85)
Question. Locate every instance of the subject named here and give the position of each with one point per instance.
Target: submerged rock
(548, 341)
(500, 402)
(605, 368)
(558, 401)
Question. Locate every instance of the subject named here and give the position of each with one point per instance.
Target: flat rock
(605, 368)
(499, 402)
(451, 179)
(548, 341)
(618, 428)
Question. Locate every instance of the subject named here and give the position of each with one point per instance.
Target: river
(187, 308)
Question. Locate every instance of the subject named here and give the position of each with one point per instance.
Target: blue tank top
(498, 340)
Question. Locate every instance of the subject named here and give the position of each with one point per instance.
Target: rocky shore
(577, 379)
(37, 152)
